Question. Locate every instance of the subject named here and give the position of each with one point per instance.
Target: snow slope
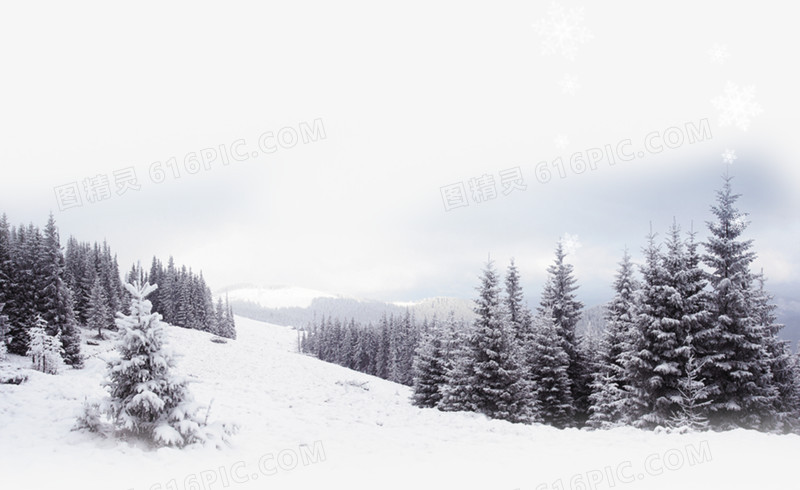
(311, 425)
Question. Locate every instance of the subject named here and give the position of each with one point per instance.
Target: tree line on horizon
(691, 341)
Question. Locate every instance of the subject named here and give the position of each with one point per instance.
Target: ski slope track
(306, 424)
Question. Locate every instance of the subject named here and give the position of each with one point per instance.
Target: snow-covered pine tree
(5, 261)
(609, 387)
(219, 315)
(742, 392)
(55, 299)
(548, 374)
(644, 379)
(182, 302)
(347, 347)
(21, 305)
(79, 275)
(5, 281)
(458, 392)
(383, 354)
(452, 332)
(607, 401)
(228, 325)
(671, 312)
(796, 401)
(209, 317)
(787, 401)
(514, 302)
(429, 367)
(693, 397)
(3, 330)
(666, 331)
(99, 315)
(497, 388)
(44, 350)
(108, 273)
(147, 398)
(363, 351)
(560, 303)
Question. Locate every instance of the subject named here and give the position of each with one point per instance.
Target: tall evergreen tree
(549, 364)
(610, 382)
(560, 303)
(5, 259)
(644, 371)
(672, 316)
(5, 280)
(21, 306)
(430, 372)
(741, 391)
(458, 393)
(518, 313)
(99, 314)
(3, 331)
(497, 389)
(55, 299)
(787, 401)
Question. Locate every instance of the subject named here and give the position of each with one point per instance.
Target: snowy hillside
(306, 424)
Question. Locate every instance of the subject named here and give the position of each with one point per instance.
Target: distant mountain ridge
(296, 306)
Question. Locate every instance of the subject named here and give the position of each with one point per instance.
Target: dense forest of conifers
(691, 341)
(44, 286)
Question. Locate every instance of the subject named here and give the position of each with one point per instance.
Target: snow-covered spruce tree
(787, 402)
(548, 375)
(3, 330)
(44, 350)
(229, 330)
(147, 399)
(693, 397)
(429, 367)
(458, 390)
(666, 332)
(459, 369)
(647, 364)
(560, 303)
(98, 313)
(497, 382)
(742, 393)
(55, 299)
(518, 313)
(796, 401)
(5, 264)
(609, 386)
(21, 306)
(672, 312)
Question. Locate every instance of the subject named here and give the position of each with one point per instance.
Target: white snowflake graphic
(561, 141)
(562, 31)
(569, 84)
(719, 53)
(737, 106)
(570, 244)
(729, 156)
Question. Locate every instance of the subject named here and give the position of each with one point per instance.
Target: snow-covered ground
(311, 425)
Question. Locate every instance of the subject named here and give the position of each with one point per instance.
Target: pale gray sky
(412, 97)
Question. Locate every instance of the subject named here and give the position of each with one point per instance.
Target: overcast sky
(394, 103)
